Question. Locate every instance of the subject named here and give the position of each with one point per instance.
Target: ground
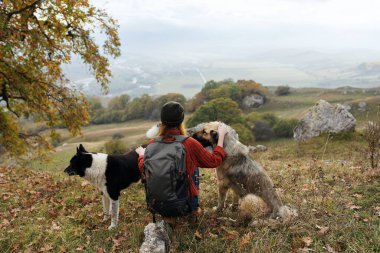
(327, 179)
(337, 197)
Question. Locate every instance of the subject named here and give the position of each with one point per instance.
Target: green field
(327, 179)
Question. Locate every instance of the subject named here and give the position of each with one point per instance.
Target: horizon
(318, 43)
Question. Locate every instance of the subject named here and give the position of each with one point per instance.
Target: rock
(253, 101)
(347, 106)
(362, 106)
(324, 118)
(156, 238)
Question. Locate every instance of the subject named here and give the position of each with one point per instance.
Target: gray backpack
(165, 177)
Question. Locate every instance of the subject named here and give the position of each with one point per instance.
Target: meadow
(327, 179)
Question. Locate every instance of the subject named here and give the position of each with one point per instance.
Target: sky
(204, 26)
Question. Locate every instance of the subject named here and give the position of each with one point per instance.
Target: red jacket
(196, 156)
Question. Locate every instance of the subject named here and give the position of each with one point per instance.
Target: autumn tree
(220, 109)
(225, 110)
(119, 103)
(36, 38)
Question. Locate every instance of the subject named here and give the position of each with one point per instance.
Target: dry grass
(337, 197)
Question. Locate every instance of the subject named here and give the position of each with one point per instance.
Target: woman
(172, 115)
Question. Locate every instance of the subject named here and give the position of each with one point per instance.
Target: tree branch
(5, 98)
(32, 5)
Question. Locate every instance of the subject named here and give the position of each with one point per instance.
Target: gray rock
(253, 101)
(156, 238)
(324, 118)
(347, 106)
(362, 106)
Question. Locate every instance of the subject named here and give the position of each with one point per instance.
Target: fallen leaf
(28, 250)
(53, 214)
(46, 248)
(322, 230)
(5, 223)
(330, 249)
(307, 240)
(116, 243)
(352, 206)
(197, 234)
(84, 183)
(245, 240)
(357, 195)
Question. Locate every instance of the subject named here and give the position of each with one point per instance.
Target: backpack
(165, 178)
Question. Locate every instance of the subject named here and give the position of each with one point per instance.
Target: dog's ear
(81, 149)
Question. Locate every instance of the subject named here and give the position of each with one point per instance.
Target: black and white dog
(109, 173)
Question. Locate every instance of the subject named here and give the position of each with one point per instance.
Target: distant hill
(138, 74)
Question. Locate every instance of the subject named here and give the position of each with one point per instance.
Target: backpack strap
(177, 138)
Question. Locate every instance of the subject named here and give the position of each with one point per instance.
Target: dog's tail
(153, 131)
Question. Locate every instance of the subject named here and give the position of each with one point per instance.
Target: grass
(330, 185)
(327, 179)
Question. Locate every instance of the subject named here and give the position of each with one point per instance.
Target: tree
(282, 90)
(36, 38)
(220, 109)
(119, 103)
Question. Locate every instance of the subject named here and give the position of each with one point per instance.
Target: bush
(245, 134)
(282, 90)
(220, 109)
(262, 131)
(284, 128)
(269, 118)
(115, 146)
(117, 136)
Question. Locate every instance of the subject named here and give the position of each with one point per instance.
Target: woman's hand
(222, 130)
(140, 150)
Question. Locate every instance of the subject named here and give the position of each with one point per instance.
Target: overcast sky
(266, 24)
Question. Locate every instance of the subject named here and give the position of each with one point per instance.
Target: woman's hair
(163, 129)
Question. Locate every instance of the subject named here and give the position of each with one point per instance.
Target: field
(327, 179)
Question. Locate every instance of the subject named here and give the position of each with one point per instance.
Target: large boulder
(324, 118)
(253, 101)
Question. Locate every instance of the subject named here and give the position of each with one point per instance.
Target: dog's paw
(112, 226)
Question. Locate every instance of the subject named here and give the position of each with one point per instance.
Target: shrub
(282, 90)
(262, 131)
(117, 136)
(245, 134)
(269, 118)
(284, 127)
(220, 109)
(115, 146)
